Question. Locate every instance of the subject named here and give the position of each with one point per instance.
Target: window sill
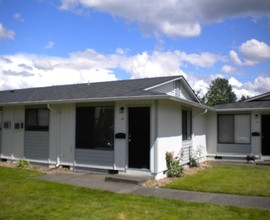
(234, 143)
(96, 149)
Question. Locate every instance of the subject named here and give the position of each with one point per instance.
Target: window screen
(95, 128)
(226, 129)
(37, 119)
(234, 129)
(242, 129)
(186, 125)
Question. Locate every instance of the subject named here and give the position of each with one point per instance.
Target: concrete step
(263, 162)
(124, 178)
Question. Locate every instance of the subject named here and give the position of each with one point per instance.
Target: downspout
(156, 138)
(58, 161)
(200, 114)
(205, 111)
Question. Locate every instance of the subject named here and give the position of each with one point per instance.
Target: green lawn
(23, 197)
(236, 179)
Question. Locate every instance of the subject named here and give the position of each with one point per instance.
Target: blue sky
(49, 42)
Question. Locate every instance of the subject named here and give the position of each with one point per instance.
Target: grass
(243, 180)
(24, 197)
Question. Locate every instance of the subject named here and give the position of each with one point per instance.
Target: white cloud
(89, 65)
(234, 56)
(253, 52)
(42, 64)
(259, 85)
(49, 45)
(228, 69)
(203, 59)
(165, 63)
(5, 33)
(152, 65)
(122, 51)
(18, 17)
(234, 82)
(198, 84)
(24, 70)
(172, 17)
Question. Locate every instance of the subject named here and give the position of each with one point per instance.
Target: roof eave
(194, 104)
(105, 99)
(243, 109)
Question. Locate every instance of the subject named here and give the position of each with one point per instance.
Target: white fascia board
(106, 99)
(243, 109)
(194, 104)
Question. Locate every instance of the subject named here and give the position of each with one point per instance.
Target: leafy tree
(220, 92)
(243, 98)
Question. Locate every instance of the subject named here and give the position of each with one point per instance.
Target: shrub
(173, 165)
(193, 162)
(22, 164)
(250, 157)
(194, 157)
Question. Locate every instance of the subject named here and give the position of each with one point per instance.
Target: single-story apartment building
(127, 126)
(242, 128)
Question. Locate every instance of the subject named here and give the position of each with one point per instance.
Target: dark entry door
(139, 137)
(266, 135)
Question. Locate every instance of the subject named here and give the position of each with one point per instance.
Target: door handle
(129, 138)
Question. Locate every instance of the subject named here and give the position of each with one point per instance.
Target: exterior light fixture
(121, 110)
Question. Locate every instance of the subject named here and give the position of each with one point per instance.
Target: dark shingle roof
(244, 105)
(261, 97)
(87, 91)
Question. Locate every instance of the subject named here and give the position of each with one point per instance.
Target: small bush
(193, 162)
(173, 165)
(194, 157)
(250, 157)
(22, 164)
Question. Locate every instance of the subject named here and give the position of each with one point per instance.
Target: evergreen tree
(243, 98)
(220, 92)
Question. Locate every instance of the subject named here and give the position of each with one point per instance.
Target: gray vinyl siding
(0, 141)
(99, 158)
(176, 89)
(234, 148)
(36, 145)
(167, 88)
(185, 152)
(185, 94)
(185, 155)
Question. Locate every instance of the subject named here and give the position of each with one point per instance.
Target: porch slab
(263, 162)
(124, 178)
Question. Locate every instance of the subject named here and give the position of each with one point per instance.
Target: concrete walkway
(97, 181)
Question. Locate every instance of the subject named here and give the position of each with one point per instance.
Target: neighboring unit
(243, 128)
